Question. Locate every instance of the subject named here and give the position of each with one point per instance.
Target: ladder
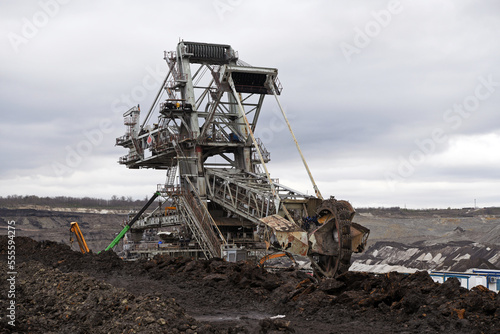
(171, 172)
(200, 224)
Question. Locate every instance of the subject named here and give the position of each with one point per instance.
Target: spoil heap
(62, 291)
(49, 301)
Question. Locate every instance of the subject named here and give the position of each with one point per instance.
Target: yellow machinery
(274, 256)
(75, 229)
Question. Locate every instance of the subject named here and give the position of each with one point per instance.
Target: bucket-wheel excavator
(217, 180)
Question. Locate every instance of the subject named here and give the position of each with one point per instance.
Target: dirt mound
(222, 284)
(399, 302)
(214, 272)
(412, 303)
(62, 257)
(49, 301)
(62, 291)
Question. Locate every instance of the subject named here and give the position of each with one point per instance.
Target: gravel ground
(62, 291)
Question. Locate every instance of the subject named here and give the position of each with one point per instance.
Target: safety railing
(204, 224)
(246, 197)
(197, 218)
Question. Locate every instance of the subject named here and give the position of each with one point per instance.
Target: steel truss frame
(213, 104)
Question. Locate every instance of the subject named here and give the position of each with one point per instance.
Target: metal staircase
(199, 221)
(199, 226)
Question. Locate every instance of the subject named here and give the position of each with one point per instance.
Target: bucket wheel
(331, 249)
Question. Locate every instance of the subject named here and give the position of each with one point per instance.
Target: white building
(486, 277)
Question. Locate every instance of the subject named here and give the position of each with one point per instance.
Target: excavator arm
(263, 260)
(75, 229)
(127, 227)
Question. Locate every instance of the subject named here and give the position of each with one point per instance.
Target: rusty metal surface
(329, 246)
(359, 236)
(290, 237)
(278, 223)
(323, 240)
(294, 242)
(332, 242)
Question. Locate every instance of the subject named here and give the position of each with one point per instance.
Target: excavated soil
(62, 291)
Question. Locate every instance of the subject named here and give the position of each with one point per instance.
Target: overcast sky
(393, 103)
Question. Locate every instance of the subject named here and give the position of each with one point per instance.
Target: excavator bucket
(325, 240)
(359, 237)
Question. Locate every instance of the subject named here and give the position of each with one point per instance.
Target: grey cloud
(76, 70)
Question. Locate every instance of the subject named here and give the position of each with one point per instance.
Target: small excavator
(75, 230)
